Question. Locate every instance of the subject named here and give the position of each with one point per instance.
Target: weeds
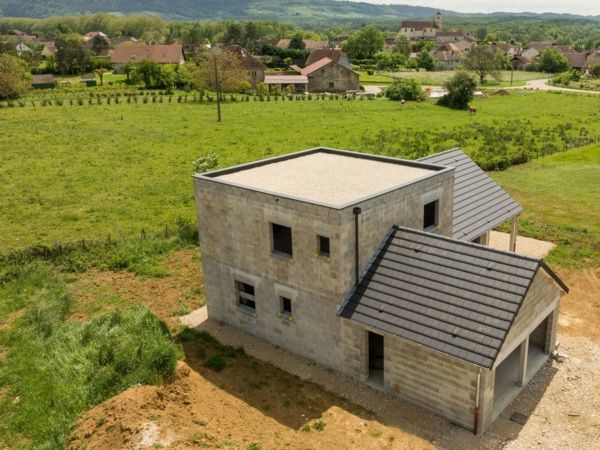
(319, 425)
(54, 369)
(209, 349)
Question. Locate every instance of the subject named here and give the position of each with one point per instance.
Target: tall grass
(55, 369)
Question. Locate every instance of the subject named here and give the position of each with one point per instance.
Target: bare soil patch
(580, 309)
(175, 294)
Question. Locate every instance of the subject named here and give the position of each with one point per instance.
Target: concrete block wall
(439, 383)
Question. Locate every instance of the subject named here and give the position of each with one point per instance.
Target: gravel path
(525, 246)
(542, 85)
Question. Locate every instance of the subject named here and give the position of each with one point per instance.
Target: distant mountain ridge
(296, 11)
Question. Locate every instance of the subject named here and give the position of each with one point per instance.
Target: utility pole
(218, 88)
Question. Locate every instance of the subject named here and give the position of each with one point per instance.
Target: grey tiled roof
(453, 296)
(479, 203)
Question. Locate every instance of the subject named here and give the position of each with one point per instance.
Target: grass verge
(560, 194)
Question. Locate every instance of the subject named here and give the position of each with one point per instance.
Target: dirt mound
(501, 92)
(191, 412)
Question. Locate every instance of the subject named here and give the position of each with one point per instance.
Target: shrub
(215, 362)
(206, 163)
(319, 425)
(461, 87)
(404, 89)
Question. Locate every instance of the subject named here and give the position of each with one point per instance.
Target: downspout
(356, 211)
(476, 415)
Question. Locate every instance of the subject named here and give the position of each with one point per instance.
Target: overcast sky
(584, 7)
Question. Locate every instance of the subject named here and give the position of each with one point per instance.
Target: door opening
(376, 358)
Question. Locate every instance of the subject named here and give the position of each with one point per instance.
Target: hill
(294, 10)
(300, 12)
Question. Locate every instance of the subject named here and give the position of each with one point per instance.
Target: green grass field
(83, 172)
(561, 196)
(438, 78)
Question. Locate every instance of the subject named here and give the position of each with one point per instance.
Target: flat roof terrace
(329, 177)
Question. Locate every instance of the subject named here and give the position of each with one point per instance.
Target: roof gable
(480, 204)
(452, 296)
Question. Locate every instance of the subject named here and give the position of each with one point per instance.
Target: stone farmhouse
(326, 75)
(422, 29)
(378, 268)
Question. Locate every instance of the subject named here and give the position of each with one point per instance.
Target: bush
(461, 88)
(206, 163)
(215, 362)
(404, 89)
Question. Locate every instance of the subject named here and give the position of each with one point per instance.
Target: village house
(161, 54)
(593, 59)
(510, 50)
(453, 36)
(326, 75)
(422, 29)
(309, 44)
(447, 57)
(577, 60)
(336, 55)
(379, 268)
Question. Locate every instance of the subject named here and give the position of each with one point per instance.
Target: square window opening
(245, 295)
(430, 215)
(286, 306)
(282, 239)
(323, 246)
(331, 85)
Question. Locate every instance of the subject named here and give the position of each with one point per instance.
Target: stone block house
(377, 267)
(326, 75)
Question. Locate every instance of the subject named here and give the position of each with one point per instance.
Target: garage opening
(507, 374)
(537, 353)
(376, 358)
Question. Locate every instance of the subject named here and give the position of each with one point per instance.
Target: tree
(461, 87)
(404, 89)
(128, 69)
(297, 41)
(221, 71)
(485, 60)
(595, 71)
(234, 34)
(364, 43)
(383, 60)
(100, 72)
(402, 45)
(149, 72)
(70, 54)
(14, 78)
(99, 43)
(425, 60)
(553, 61)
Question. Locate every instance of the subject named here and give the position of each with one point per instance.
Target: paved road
(542, 85)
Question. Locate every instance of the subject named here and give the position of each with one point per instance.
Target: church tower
(438, 20)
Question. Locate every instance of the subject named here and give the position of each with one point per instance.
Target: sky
(583, 7)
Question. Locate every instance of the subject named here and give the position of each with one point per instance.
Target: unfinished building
(377, 267)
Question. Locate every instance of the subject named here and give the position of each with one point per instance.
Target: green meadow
(83, 172)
